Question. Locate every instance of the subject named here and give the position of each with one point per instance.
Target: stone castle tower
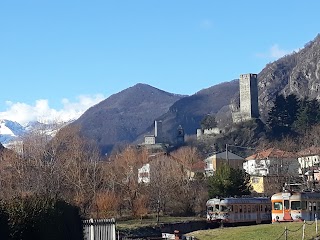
(158, 131)
(249, 109)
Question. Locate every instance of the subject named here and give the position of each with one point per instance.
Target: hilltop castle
(248, 85)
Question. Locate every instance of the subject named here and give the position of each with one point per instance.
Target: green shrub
(42, 218)
(4, 228)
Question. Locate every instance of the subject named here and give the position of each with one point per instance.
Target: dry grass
(152, 221)
(259, 232)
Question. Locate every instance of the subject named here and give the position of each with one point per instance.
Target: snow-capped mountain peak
(9, 130)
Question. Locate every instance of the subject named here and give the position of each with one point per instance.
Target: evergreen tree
(282, 116)
(308, 115)
(292, 107)
(209, 121)
(228, 181)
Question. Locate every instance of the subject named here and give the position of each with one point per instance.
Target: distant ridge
(121, 118)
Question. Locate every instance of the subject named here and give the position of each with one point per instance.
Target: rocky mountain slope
(297, 73)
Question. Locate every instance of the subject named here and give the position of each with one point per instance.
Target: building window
(255, 180)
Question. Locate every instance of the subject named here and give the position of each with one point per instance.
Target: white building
(144, 174)
(308, 158)
(272, 162)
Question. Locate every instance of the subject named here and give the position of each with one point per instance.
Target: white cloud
(41, 111)
(274, 52)
(206, 24)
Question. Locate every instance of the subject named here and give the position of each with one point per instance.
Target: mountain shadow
(119, 119)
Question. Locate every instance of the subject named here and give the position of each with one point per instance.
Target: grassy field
(152, 221)
(259, 232)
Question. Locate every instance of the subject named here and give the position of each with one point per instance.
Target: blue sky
(57, 58)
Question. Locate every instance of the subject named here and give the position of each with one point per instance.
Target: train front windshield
(277, 206)
(214, 208)
(293, 205)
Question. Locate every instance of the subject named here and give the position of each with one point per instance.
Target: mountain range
(11, 131)
(127, 116)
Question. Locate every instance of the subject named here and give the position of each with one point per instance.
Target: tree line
(69, 167)
(291, 116)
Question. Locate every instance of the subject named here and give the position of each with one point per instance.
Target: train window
(295, 205)
(255, 180)
(260, 208)
(236, 209)
(277, 206)
(244, 208)
(225, 208)
(310, 206)
(249, 208)
(303, 205)
(269, 208)
(286, 204)
(216, 208)
(210, 209)
(314, 206)
(240, 209)
(265, 208)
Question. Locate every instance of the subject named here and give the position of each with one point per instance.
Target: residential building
(308, 158)
(272, 162)
(162, 162)
(216, 160)
(271, 169)
(267, 185)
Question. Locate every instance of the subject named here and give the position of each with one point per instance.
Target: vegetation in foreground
(259, 232)
(152, 221)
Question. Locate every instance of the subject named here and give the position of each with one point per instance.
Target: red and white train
(289, 206)
(235, 211)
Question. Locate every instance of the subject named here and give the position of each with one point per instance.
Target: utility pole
(227, 157)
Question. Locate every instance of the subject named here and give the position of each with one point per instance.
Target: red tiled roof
(271, 153)
(309, 151)
(198, 166)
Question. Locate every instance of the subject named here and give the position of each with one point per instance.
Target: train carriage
(291, 206)
(238, 210)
